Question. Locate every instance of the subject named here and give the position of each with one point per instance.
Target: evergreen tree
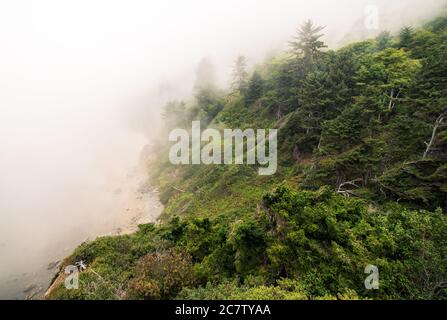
(240, 75)
(206, 93)
(255, 89)
(384, 40)
(377, 112)
(405, 37)
(383, 78)
(205, 76)
(307, 43)
(325, 92)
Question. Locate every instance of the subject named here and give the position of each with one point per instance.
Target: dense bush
(161, 275)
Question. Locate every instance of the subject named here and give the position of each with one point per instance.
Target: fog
(81, 86)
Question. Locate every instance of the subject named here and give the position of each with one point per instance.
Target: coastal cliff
(361, 184)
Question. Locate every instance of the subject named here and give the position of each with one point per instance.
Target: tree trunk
(390, 104)
(438, 123)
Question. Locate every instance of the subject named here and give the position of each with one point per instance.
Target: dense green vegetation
(362, 180)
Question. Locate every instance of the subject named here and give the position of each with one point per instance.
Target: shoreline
(131, 202)
(141, 206)
(148, 210)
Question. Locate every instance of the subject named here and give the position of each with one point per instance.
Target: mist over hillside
(263, 31)
(82, 90)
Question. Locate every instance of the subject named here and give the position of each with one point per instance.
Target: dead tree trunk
(390, 104)
(347, 193)
(439, 122)
(278, 113)
(393, 99)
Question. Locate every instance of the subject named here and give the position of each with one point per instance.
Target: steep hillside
(361, 180)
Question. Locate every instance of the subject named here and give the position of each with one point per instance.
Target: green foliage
(406, 37)
(383, 78)
(338, 237)
(208, 103)
(284, 290)
(307, 43)
(255, 89)
(161, 275)
(240, 75)
(384, 40)
(303, 245)
(351, 189)
(248, 242)
(422, 182)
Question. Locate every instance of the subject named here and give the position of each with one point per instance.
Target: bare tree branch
(180, 190)
(438, 123)
(347, 193)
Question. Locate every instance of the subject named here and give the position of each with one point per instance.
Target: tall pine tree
(240, 75)
(307, 43)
